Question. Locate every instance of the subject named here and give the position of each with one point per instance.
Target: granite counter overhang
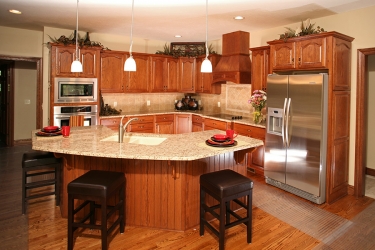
(86, 141)
(202, 113)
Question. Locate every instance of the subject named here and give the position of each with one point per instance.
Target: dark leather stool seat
(37, 170)
(92, 187)
(225, 186)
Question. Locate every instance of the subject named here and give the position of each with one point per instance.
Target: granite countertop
(183, 147)
(205, 114)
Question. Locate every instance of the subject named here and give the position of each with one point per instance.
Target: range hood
(234, 65)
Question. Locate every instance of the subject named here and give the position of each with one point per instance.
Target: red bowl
(220, 137)
(51, 128)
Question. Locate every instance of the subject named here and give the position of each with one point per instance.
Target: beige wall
(370, 159)
(24, 99)
(357, 24)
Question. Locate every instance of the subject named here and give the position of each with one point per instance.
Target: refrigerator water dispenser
(275, 121)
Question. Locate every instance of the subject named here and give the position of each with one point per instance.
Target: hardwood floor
(43, 227)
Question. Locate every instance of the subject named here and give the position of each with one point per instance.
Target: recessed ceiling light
(15, 11)
(178, 36)
(238, 17)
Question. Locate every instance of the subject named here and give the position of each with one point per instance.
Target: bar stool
(225, 186)
(96, 186)
(37, 168)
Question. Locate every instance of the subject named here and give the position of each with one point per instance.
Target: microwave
(75, 90)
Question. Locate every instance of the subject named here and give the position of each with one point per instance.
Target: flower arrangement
(258, 101)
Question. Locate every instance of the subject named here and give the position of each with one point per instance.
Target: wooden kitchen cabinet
(144, 124)
(164, 124)
(259, 67)
(204, 81)
(256, 158)
(210, 124)
(138, 81)
(182, 123)
(62, 57)
(197, 123)
(112, 123)
(112, 72)
(186, 75)
(303, 52)
(164, 74)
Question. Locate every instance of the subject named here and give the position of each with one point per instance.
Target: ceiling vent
(234, 65)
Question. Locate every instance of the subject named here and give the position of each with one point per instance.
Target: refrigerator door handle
(287, 120)
(283, 123)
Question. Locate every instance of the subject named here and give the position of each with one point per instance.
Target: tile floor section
(370, 186)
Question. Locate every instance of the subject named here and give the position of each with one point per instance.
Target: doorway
(361, 117)
(7, 96)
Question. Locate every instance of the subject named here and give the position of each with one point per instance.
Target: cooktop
(226, 116)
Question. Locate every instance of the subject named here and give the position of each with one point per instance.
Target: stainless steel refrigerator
(296, 138)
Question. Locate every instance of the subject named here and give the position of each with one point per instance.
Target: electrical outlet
(148, 103)
(115, 104)
(27, 101)
(218, 104)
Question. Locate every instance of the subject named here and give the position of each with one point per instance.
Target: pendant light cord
(131, 30)
(206, 27)
(77, 57)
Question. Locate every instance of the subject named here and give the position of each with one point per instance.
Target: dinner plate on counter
(220, 140)
(50, 129)
(41, 133)
(229, 143)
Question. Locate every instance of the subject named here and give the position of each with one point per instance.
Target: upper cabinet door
(89, 59)
(187, 74)
(158, 74)
(283, 56)
(259, 67)
(137, 81)
(172, 72)
(312, 53)
(112, 72)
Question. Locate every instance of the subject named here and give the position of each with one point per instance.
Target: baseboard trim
(22, 142)
(370, 171)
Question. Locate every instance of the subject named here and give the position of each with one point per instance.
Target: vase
(257, 115)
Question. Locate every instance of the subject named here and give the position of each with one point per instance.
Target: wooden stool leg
(222, 224)
(92, 212)
(202, 212)
(122, 208)
(70, 222)
(227, 214)
(104, 224)
(250, 216)
(23, 191)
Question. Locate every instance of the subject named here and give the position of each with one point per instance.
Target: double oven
(75, 96)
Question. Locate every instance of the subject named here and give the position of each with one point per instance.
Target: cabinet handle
(292, 59)
(299, 60)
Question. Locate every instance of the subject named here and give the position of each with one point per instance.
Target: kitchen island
(162, 181)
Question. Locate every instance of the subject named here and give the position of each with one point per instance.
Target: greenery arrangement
(85, 41)
(306, 28)
(186, 50)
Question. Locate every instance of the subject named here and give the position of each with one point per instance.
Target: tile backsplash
(233, 100)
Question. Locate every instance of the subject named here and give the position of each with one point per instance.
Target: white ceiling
(162, 19)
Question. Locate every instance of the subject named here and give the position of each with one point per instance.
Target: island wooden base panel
(159, 194)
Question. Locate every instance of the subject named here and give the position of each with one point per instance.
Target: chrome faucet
(122, 129)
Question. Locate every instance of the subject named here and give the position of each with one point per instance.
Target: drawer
(164, 118)
(250, 131)
(110, 121)
(143, 119)
(141, 127)
(215, 124)
(197, 119)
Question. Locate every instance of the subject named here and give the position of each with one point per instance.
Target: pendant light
(206, 66)
(130, 63)
(76, 64)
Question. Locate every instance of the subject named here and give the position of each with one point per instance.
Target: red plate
(50, 129)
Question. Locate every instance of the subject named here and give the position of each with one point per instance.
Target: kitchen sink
(135, 139)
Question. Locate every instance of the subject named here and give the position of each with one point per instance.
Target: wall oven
(68, 90)
(61, 114)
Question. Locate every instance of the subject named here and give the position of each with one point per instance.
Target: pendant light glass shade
(130, 62)
(76, 64)
(206, 66)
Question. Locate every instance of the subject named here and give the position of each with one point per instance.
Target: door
(305, 127)
(275, 151)
(4, 104)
